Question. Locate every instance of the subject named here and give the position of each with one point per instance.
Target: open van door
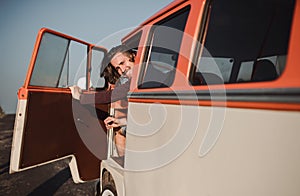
(50, 125)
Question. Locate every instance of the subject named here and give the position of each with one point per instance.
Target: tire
(109, 190)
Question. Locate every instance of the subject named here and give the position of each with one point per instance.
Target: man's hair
(109, 72)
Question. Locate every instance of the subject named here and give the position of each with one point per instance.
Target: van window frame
(183, 12)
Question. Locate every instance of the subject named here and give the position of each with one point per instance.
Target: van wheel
(109, 190)
(108, 185)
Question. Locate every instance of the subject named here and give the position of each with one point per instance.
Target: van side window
(162, 51)
(246, 41)
(96, 82)
(62, 62)
(133, 42)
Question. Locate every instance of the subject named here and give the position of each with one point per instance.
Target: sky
(92, 21)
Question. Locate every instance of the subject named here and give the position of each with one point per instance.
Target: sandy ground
(50, 179)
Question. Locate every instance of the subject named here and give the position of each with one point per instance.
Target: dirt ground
(50, 179)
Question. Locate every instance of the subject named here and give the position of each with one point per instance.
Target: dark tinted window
(246, 41)
(162, 51)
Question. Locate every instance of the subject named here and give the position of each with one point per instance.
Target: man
(121, 59)
(117, 64)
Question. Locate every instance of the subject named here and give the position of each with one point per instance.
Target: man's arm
(120, 92)
(98, 97)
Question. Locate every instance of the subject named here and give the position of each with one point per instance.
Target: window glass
(247, 68)
(222, 67)
(133, 42)
(60, 63)
(245, 41)
(76, 65)
(96, 80)
(163, 50)
(50, 60)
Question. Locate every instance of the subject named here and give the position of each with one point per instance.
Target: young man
(121, 59)
(117, 64)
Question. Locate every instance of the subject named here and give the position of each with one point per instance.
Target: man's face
(122, 63)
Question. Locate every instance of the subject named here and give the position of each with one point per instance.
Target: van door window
(162, 51)
(60, 63)
(246, 41)
(96, 80)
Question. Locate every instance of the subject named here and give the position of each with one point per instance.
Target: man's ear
(132, 57)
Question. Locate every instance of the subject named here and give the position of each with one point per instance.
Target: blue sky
(91, 21)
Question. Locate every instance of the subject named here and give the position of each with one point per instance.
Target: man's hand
(111, 122)
(76, 91)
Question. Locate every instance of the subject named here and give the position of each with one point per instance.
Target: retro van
(213, 106)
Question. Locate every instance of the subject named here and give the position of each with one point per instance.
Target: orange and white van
(214, 103)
